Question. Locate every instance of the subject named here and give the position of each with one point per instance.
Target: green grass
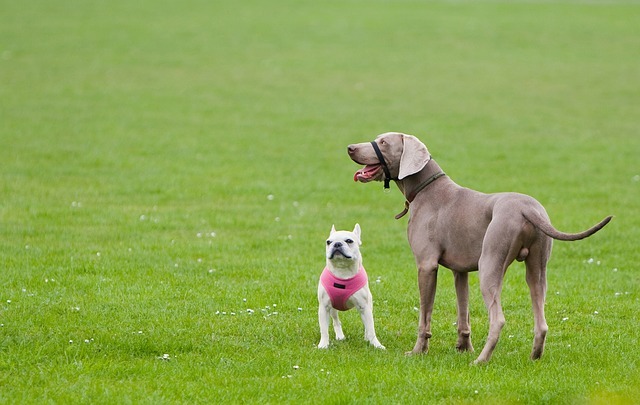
(132, 131)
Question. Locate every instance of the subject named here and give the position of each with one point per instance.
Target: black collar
(383, 163)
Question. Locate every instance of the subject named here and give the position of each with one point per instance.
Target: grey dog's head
(344, 245)
(403, 154)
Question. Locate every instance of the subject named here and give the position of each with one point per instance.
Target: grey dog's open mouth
(368, 173)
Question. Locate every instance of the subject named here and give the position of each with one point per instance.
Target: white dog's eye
(328, 242)
(349, 241)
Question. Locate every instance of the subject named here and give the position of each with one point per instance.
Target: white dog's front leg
(323, 320)
(337, 325)
(324, 305)
(364, 303)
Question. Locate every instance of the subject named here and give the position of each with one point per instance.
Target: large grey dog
(464, 230)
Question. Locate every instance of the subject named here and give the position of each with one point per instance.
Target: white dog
(344, 285)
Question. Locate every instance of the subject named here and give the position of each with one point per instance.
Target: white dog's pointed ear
(415, 156)
(333, 229)
(356, 231)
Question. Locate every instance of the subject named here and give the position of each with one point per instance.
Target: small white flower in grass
(636, 178)
(70, 341)
(165, 357)
(213, 234)
(277, 219)
(510, 336)
(475, 392)
(244, 300)
(212, 270)
(299, 309)
(415, 308)
(143, 217)
(199, 260)
(98, 254)
(87, 341)
(199, 234)
(296, 367)
(590, 260)
(615, 269)
(250, 311)
(270, 197)
(595, 312)
(8, 301)
(565, 319)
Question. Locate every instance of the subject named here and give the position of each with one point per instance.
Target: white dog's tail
(545, 226)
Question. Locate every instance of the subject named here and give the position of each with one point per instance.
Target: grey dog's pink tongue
(366, 172)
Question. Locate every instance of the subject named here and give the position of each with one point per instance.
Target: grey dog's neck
(411, 183)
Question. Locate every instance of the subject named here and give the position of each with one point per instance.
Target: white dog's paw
(378, 345)
(323, 345)
(340, 336)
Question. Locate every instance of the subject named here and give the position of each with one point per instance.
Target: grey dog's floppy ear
(415, 156)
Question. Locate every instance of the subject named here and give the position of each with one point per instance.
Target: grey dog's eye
(349, 241)
(328, 242)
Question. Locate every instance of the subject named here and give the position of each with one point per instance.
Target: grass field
(170, 171)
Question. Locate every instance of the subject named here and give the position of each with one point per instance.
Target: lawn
(170, 171)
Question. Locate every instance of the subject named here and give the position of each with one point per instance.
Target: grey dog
(464, 230)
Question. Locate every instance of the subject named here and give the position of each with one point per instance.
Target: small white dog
(344, 285)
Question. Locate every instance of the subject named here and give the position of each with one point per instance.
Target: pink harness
(340, 289)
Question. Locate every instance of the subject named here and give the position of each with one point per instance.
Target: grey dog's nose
(351, 149)
(337, 244)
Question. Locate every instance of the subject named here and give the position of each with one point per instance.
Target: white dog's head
(343, 247)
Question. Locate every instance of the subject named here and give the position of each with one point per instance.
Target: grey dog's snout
(337, 244)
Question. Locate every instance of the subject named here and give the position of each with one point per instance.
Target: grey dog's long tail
(545, 226)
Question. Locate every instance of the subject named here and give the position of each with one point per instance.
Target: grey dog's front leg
(464, 326)
(427, 280)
